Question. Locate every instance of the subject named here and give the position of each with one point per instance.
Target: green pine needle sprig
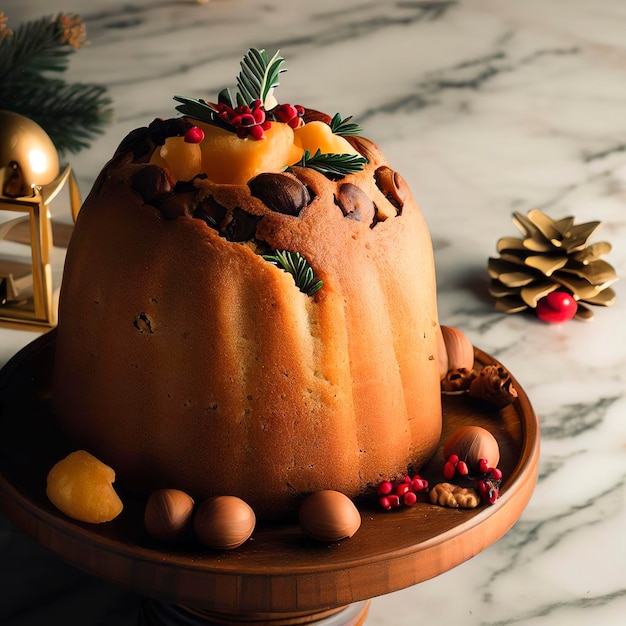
(259, 75)
(331, 164)
(344, 127)
(71, 114)
(296, 265)
(33, 57)
(203, 111)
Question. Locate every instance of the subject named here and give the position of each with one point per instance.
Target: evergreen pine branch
(71, 114)
(33, 48)
(296, 265)
(344, 127)
(203, 111)
(258, 76)
(331, 164)
(31, 59)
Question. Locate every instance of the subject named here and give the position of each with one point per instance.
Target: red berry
(419, 484)
(385, 488)
(194, 135)
(483, 465)
(409, 498)
(402, 488)
(496, 474)
(453, 458)
(449, 470)
(462, 468)
(389, 502)
(258, 115)
(556, 307)
(295, 122)
(385, 503)
(256, 132)
(492, 494)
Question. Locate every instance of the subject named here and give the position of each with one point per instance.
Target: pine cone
(553, 255)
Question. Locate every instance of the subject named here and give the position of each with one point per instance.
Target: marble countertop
(485, 107)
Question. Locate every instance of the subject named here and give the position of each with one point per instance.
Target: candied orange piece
(183, 159)
(318, 135)
(232, 160)
(81, 486)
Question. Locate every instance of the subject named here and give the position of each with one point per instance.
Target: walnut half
(453, 496)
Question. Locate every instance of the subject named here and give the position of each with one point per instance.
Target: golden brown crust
(185, 360)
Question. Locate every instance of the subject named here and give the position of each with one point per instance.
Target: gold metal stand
(28, 300)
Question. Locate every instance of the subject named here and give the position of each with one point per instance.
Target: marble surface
(486, 107)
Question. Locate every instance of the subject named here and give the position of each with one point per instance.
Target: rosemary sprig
(332, 164)
(344, 127)
(258, 76)
(298, 267)
(202, 111)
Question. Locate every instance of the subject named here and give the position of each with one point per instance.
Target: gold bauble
(27, 155)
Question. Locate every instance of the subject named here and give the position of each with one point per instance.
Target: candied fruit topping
(81, 486)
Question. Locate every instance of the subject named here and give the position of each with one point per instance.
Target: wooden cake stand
(278, 577)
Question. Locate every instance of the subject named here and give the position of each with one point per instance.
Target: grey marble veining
(485, 107)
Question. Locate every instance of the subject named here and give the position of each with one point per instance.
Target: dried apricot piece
(316, 135)
(81, 486)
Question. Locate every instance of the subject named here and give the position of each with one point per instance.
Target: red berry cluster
(488, 484)
(454, 466)
(247, 120)
(393, 495)
(290, 115)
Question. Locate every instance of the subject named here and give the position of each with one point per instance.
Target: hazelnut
(224, 522)
(329, 516)
(455, 351)
(168, 513)
(471, 444)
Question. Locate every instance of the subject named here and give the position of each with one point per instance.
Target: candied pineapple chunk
(318, 135)
(183, 159)
(231, 160)
(81, 486)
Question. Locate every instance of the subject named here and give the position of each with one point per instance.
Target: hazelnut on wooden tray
(168, 514)
(224, 522)
(471, 444)
(329, 516)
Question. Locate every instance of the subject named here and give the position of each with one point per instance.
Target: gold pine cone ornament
(551, 269)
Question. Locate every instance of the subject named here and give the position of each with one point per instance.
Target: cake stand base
(154, 613)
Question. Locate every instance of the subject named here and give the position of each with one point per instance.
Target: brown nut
(455, 351)
(282, 193)
(458, 380)
(494, 385)
(392, 185)
(472, 444)
(329, 516)
(224, 522)
(168, 514)
(355, 203)
(152, 183)
(453, 496)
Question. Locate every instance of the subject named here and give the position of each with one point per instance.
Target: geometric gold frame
(38, 312)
